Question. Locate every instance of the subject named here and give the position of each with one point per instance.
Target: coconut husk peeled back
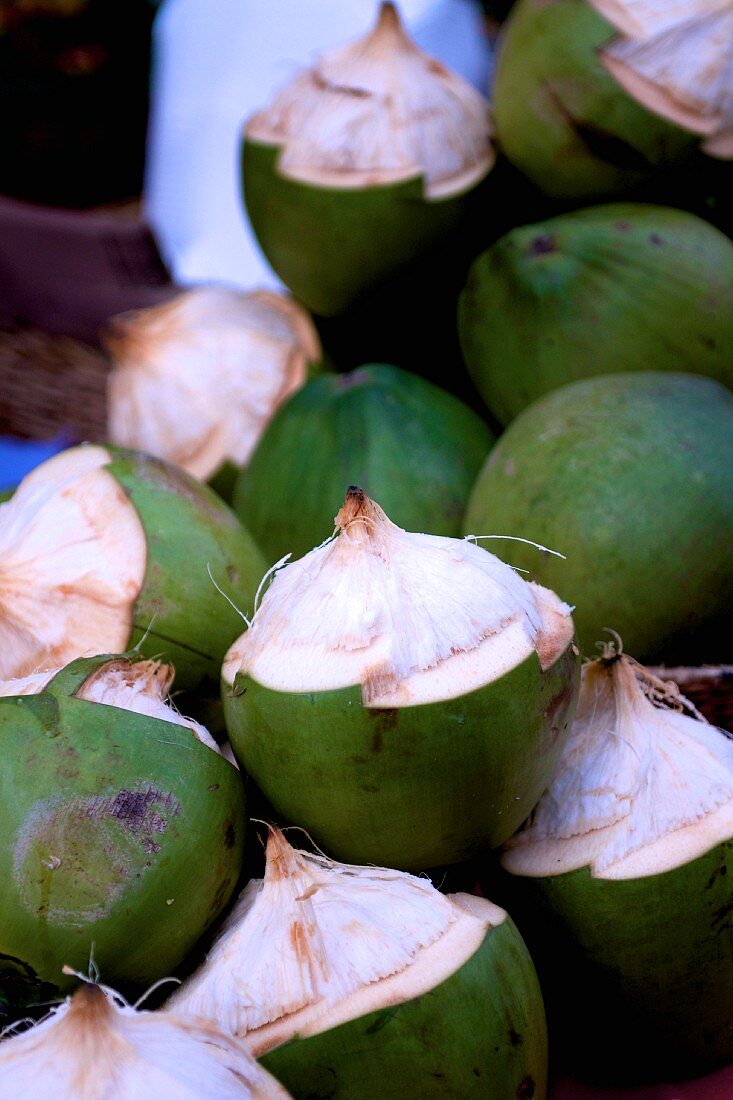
(361, 164)
(365, 981)
(620, 878)
(415, 678)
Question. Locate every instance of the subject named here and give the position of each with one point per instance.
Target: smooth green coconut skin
(649, 960)
(561, 117)
(481, 1032)
(329, 245)
(413, 787)
(619, 287)
(123, 840)
(410, 445)
(631, 477)
(179, 616)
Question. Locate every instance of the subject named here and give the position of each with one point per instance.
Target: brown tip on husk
(358, 509)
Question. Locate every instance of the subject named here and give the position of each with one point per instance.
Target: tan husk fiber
(377, 111)
(410, 617)
(678, 64)
(72, 561)
(197, 379)
(97, 1047)
(643, 785)
(318, 942)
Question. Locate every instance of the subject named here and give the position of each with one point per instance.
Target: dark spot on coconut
(708, 342)
(543, 244)
(232, 573)
(357, 759)
(438, 1076)
(721, 915)
(656, 239)
(515, 1038)
(370, 788)
(213, 787)
(220, 897)
(230, 834)
(526, 1089)
(382, 1019)
(476, 1072)
(385, 721)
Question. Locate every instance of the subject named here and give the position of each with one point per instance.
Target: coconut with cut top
(97, 1045)
(196, 379)
(585, 113)
(402, 696)
(102, 549)
(361, 164)
(620, 877)
(110, 804)
(367, 980)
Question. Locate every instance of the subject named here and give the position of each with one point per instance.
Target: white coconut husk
(378, 111)
(410, 617)
(197, 379)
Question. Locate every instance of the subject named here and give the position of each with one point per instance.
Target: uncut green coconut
(618, 287)
(365, 981)
(631, 477)
(196, 379)
(622, 880)
(112, 806)
(404, 697)
(102, 549)
(97, 1045)
(406, 442)
(563, 119)
(361, 164)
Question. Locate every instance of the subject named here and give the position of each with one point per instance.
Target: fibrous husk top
(72, 562)
(317, 942)
(409, 617)
(676, 58)
(140, 686)
(377, 111)
(641, 786)
(96, 1047)
(197, 379)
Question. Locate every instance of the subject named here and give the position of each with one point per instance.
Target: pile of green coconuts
(393, 565)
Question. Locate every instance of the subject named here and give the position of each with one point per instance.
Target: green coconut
(562, 118)
(613, 288)
(356, 980)
(123, 828)
(405, 441)
(622, 879)
(362, 164)
(631, 477)
(103, 549)
(403, 697)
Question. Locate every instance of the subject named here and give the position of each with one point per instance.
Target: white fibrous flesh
(318, 942)
(143, 687)
(676, 59)
(96, 1047)
(639, 788)
(197, 379)
(140, 686)
(409, 617)
(377, 111)
(72, 562)
(644, 18)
